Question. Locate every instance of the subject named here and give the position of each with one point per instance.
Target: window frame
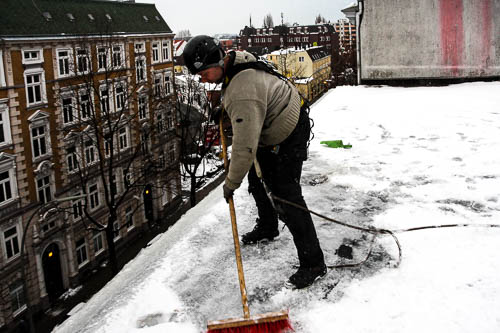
(18, 236)
(166, 46)
(28, 61)
(155, 52)
(98, 249)
(38, 138)
(129, 218)
(8, 166)
(41, 83)
(88, 60)
(119, 98)
(5, 130)
(143, 108)
(78, 251)
(90, 152)
(121, 56)
(68, 57)
(123, 138)
(100, 61)
(140, 68)
(74, 115)
(18, 290)
(94, 198)
(88, 104)
(44, 189)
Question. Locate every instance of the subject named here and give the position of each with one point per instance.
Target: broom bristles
(279, 326)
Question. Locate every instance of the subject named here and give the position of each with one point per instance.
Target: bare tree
(198, 133)
(183, 34)
(319, 19)
(268, 21)
(116, 122)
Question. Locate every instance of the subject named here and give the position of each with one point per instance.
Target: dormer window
(157, 18)
(145, 18)
(91, 17)
(108, 17)
(70, 16)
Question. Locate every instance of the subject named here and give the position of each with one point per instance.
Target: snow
(420, 156)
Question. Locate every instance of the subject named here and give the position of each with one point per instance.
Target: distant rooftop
(43, 18)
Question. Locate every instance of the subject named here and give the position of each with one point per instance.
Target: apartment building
(85, 110)
(347, 34)
(266, 40)
(309, 68)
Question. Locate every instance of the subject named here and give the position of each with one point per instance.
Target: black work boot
(306, 276)
(260, 232)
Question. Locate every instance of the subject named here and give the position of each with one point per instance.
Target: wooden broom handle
(232, 212)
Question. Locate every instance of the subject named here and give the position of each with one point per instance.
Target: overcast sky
(214, 17)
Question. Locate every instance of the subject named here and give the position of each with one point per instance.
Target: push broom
(272, 322)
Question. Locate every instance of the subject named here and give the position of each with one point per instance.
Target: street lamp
(23, 259)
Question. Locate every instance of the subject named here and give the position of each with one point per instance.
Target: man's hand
(228, 193)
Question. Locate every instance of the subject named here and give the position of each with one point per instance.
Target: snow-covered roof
(420, 156)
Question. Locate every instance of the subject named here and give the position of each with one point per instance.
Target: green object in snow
(336, 144)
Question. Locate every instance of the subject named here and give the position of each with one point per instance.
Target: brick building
(267, 40)
(63, 65)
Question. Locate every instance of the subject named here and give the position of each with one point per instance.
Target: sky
(216, 17)
(420, 156)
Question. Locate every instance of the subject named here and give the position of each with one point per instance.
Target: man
(268, 124)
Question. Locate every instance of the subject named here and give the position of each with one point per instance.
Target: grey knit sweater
(263, 110)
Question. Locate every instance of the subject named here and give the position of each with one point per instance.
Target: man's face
(211, 75)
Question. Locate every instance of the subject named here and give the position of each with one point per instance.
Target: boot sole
(290, 285)
(262, 241)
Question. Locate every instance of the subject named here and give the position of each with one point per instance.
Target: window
(85, 105)
(11, 241)
(165, 45)
(102, 58)
(32, 56)
(127, 178)
(83, 60)
(17, 298)
(117, 56)
(116, 230)
(155, 46)
(90, 152)
(35, 87)
(63, 62)
(157, 85)
(5, 137)
(140, 47)
(72, 159)
(123, 138)
(97, 240)
(94, 196)
(108, 143)
(171, 154)
(160, 122)
(119, 96)
(105, 105)
(129, 218)
(143, 107)
(140, 68)
(113, 185)
(145, 142)
(167, 83)
(2, 72)
(67, 108)
(81, 252)
(301, 59)
(170, 120)
(39, 141)
(43, 189)
(77, 206)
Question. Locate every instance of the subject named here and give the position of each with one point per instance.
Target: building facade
(309, 69)
(85, 91)
(347, 34)
(266, 40)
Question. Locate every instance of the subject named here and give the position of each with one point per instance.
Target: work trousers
(281, 170)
